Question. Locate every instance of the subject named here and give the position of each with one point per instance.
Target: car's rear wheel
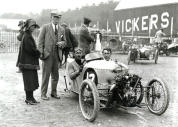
(129, 58)
(89, 100)
(157, 96)
(140, 93)
(156, 57)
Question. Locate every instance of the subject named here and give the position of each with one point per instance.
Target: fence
(9, 42)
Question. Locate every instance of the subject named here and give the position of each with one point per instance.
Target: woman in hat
(29, 61)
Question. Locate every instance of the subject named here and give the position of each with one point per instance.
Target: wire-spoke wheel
(156, 57)
(129, 58)
(140, 93)
(157, 96)
(89, 100)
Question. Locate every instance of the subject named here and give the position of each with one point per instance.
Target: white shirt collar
(54, 26)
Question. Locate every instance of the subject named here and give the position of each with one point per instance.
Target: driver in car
(76, 67)
(107, 54)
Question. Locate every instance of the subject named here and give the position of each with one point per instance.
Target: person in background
(19, 38)
(98, 37)
(85, 38)
(107, 54)
(159, 36)
(51, 37)
(70, 40)
(29, 61)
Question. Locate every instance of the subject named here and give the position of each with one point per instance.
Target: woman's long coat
(29, 62)
(29, 57)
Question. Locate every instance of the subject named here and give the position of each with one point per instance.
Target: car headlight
(120, 70)
(117, 70)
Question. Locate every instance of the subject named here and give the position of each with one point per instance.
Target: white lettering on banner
(135, 24)
(122, 26)
(126, 25)
(144, 23)
(118, 26)
(153, 21)
(164, 18)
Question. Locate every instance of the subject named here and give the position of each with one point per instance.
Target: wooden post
(172, 26)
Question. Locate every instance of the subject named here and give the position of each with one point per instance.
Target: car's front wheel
(89, 100)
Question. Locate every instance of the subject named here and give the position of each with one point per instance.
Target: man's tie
(56, 32)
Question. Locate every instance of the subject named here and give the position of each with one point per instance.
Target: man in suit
(71, 41)
(50, 38)
(85, 38)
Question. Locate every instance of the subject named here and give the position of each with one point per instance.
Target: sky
(140, 3)
(35, 6)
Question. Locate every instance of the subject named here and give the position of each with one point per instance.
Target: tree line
(99, 14)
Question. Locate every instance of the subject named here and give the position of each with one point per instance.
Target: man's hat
(31, 22)
(21, 22)
(55, 13)
(87, 20)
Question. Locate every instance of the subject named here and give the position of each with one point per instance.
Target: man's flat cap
(56, 13)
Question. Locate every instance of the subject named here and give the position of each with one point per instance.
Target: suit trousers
(50, 68)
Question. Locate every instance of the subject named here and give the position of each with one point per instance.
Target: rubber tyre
(91, 85)
(156, 57)
(128, 58)
(166, 95)
(141, 95)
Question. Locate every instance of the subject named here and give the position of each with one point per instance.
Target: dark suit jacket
(48, 40)
(70, 39)
(85, 39)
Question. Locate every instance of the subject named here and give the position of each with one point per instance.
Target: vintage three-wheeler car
(143, 53)
(107, 84)
(173, 48)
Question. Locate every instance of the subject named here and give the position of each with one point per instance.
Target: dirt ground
(66, 111)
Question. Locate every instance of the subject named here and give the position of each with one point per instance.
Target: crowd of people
(54, 41)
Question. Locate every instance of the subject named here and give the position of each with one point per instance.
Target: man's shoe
(55, 96)
(44, 98)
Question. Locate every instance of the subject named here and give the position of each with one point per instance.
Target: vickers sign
(145, 21)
